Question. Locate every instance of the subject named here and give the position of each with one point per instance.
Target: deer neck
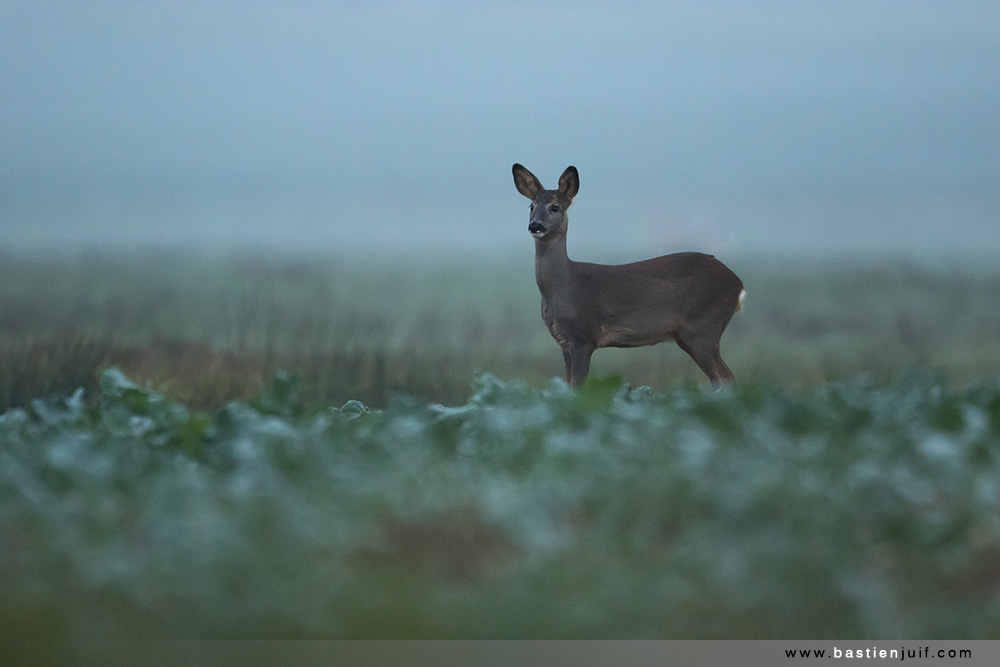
(552, 266)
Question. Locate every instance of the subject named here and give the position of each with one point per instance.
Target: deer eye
(554, 208)
(531, 207)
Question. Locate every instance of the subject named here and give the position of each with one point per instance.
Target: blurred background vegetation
(210, 330)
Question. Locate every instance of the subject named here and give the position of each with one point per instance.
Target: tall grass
(212, 488)
(208, 330)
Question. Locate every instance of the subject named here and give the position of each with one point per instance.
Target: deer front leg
(577, 358)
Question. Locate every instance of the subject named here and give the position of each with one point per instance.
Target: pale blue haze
(386, 127)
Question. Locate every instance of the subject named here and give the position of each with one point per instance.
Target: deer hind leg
(577, 358)
(704, 349)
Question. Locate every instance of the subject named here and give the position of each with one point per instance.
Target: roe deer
(688, 297)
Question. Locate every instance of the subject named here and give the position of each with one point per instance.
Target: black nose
(536, 228)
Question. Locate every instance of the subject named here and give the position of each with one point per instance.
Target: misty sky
(298, 117)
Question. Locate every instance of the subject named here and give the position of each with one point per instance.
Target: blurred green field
(209, 448)
(207, 330)
(848, 510)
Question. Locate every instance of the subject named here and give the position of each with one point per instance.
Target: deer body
(687, 297)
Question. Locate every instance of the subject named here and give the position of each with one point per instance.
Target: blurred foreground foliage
(855, 509)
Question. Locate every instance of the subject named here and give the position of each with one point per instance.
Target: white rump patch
(739, 301)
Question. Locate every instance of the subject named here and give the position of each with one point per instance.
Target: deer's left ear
(569, 184)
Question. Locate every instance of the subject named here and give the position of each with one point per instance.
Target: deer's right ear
(526, 183)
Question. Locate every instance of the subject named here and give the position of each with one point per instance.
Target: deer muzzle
(536, 228)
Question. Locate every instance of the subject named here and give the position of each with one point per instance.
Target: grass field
(302, 449)
(210, 330)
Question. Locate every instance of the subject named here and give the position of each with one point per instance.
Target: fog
(757, 129)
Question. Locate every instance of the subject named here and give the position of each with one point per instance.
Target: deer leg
(577, 358)
(705, 352)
